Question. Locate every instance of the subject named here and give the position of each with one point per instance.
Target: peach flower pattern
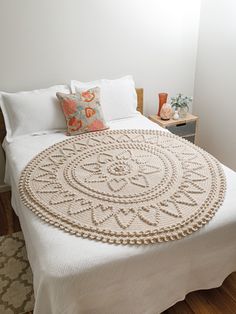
(69, 107)
(89, 112)
(87, 96)
(74, 124)
(96, 125)
(79, 116)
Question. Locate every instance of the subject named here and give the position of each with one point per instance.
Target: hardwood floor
(214, 301)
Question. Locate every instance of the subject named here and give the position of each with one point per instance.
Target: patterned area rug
(124, 186)
(16, 290)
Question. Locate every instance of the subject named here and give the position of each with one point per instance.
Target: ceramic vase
(176, 115)
(166, 112)
(162, 101)
(183, 112)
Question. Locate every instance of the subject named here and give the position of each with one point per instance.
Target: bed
(76, 275)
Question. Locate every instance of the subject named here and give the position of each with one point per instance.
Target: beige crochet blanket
(124, 186)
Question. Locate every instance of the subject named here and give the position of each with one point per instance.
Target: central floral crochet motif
(120, 170)
(124, 186)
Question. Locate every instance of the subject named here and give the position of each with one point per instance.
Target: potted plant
(181, 103)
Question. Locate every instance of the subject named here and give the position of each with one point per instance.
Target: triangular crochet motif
(124, 186)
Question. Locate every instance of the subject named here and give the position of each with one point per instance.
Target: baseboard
(4, 188)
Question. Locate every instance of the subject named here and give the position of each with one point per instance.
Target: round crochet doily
(124, 186)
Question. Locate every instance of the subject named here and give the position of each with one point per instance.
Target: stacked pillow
(83, 111)
(32, 112)
(118, 97)
(39, 110)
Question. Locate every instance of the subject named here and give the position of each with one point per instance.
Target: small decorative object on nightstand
(166, 112)
(162, 101)
(176, 115)
(181, 103)
(185, 127)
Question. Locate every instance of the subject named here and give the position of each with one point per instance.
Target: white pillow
(118, 97)
(32, 111)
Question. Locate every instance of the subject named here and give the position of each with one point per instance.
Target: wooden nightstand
(185, 128)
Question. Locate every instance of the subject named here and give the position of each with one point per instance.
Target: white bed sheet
(74, 275)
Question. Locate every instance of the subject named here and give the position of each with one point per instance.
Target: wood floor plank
(229, 286)
(200, 305)
(212, 301)
(220, 299)
(180, 308)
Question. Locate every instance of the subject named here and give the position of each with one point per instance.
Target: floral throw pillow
(83, 111)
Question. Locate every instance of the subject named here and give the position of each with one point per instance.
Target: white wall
(52, 41)
(215, 85)
(49, 41)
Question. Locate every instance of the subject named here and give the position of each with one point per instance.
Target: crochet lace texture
(124, 186)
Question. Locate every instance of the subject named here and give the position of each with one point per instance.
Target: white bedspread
(75, 275)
